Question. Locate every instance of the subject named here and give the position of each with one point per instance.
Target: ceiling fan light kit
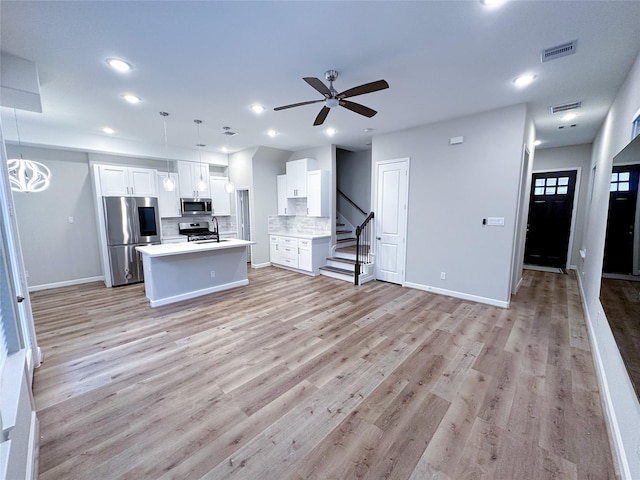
(334, 99)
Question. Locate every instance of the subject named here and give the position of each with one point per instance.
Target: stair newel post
(356, 277)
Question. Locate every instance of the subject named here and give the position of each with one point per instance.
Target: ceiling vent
(558, 51)
(565, 107)
(227, 131)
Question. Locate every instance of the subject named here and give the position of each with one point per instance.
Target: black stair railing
(364, 235)
(343, 195)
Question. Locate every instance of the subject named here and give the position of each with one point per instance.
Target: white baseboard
(463, 296)
(609, 410)
(260, 265)
(66, 283)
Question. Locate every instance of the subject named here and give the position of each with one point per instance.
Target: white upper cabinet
(220, 199)
(190, 174)
(284, 204)
(297, 177)
(318, 193)
(168, 202)
(117, 180)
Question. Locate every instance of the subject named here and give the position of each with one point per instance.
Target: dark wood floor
(294, 377)
(621, 302)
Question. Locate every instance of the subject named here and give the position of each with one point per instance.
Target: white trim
(33, 450)
(197, 293)
(461, 295)
(607, 403)
(66, 283)
(519, 237)
(518, 285)
(574, 207)
(261, 265)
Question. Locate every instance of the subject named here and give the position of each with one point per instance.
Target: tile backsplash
(226, 224)
(300, 224)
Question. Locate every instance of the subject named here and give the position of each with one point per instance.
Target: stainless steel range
(198, 231)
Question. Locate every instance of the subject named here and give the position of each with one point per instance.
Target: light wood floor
(294, 377)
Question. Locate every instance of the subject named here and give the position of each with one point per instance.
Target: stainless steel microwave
(195, 206)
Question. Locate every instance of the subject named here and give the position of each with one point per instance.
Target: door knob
(20, 299)
(378, 238)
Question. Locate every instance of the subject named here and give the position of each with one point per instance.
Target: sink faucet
(216, 233)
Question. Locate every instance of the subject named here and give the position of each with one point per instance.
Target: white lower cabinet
(304, 254)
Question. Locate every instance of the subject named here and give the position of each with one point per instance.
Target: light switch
(70, 219)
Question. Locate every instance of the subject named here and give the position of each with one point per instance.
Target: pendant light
(27, 175)
(168, 183)
(200, 185)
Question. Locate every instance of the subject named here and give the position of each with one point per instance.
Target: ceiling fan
(332, 98)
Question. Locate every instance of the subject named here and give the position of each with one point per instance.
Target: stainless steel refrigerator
(130, 222)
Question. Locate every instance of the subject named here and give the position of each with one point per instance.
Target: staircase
(342, 263)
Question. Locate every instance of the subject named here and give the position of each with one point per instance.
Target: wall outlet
(213, 274)
(443, 275)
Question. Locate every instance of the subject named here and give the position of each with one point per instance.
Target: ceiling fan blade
(365, 88)
(321, 116)
(356, 107)
(318, 85)
(297, 104)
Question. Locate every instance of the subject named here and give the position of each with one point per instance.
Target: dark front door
(623, 198)
(549, 225)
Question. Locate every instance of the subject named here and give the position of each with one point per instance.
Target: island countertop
(165, 249)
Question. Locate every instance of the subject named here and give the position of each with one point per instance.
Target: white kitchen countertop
(166, 249)
(301, 235)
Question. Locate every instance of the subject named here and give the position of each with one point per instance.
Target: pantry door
(391, 219)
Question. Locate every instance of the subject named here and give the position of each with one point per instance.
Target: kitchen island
(179, 271)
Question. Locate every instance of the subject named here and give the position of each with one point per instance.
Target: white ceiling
(210, 60)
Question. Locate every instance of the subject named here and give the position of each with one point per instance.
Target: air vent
(559, 51)
(227, 131)
(565, 107)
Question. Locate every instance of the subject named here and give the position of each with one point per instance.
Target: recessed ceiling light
(257, 108)
(224, 149)
(492, 3)
(537, 142)
(272, 133)
(524, 80)
(330, 131)
(119, 65)
(367, 130)
(108, 130)
(569, 116)
(131, 98)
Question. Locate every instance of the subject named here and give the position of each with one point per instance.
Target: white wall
(267, 165)
(56, 251)
(622, 404)
(451, 190)
(570, 158)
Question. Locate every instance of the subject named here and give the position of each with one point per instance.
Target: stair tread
(340, 224)
(344, 240)
(337, 270)
(340, 232)
(343, 260)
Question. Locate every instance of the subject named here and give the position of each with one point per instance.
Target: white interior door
(391, 220)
